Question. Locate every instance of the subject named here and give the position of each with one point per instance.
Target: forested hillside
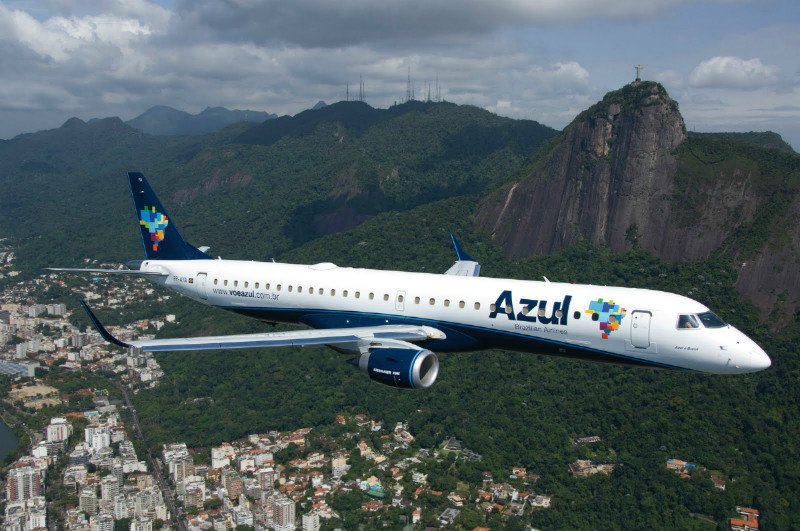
(321, 172)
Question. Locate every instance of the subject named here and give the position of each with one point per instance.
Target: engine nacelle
(400, 367)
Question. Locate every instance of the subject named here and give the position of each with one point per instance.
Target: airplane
(393, 321)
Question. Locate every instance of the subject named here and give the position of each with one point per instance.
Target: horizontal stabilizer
(336, 336)
(108, 271)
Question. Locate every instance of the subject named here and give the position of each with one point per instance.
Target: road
(155, 465)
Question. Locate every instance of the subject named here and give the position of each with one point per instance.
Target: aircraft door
(201, 285)
(400, 301)
(640, 328)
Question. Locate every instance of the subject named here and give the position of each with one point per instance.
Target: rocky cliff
(607, 179)
(625, 172)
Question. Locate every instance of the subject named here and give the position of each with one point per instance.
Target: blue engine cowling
(400, 367)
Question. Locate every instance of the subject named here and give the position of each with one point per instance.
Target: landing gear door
(201, 285)
(640, 328)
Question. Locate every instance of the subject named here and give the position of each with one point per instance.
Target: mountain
(319, 105)
(288, 181)
(625, 173)
(163, 120)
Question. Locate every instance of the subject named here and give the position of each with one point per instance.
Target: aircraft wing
(334, 336)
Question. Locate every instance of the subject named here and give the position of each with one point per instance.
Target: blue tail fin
(160, 235)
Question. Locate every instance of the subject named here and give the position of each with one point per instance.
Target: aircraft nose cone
(753, 359)
(759, 360)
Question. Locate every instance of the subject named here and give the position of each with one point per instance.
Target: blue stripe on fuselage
(460, 337)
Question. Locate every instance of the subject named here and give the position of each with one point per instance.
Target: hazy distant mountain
(320, 104)
(164, 120)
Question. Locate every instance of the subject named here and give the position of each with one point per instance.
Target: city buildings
(24, 483)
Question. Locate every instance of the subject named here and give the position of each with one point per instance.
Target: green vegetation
(771, 177)
(310, 178)
(767, 139)
(632, 95)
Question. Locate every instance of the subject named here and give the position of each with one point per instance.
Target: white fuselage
(615, 324)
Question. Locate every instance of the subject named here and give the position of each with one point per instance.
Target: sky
(732, 65)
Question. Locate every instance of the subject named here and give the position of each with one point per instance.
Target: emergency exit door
(640, 328)
(201, 285)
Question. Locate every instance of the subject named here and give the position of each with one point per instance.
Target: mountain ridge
(166, 120)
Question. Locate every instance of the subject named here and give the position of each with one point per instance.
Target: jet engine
(400, 367)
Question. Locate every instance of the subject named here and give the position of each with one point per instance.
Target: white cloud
(733, 72)
(671, 79)
(560, 77)
(98, 58)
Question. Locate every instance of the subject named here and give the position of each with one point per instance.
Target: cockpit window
(688, 321)
(710, 320)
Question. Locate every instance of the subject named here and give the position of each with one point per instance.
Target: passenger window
(358, 294)
(559, 313)
(215, 281)
(333, 292)
(400, 298)
(278, 287)
(431, 301)
(541, 312)
(508, 310)
(492, 307)
(266, 286)
(386, 296)
(225, 283)
(461, 304)
(477, 306)
(447, 303)
(525, 310)
(371, 296)
(235, 283)
(299, 289)
(344, 293)
(246, 283)
(256, 285)
(290, 288)
(322, 291)
(688, 321)
(310, 291)
(416, 300)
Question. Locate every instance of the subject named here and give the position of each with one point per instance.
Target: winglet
(465, 265)
(460, 253)
(100, 328)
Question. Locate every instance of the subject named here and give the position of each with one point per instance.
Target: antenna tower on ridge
(409, 89)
